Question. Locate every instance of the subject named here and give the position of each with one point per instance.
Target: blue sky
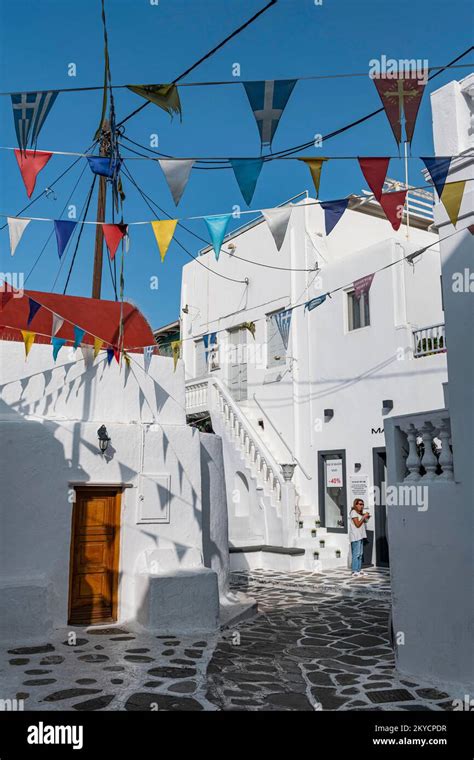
(147, 44)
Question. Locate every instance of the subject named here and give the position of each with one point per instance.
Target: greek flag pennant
(30, 110)
(268, 100)
(148, 352)
(283, 322)
(210, 339)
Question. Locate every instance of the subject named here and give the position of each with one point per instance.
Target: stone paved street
(318, 642)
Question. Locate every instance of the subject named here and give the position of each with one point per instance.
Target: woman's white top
(355, 533)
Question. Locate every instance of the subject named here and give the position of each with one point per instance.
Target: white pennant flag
(147, 354)
(16, 228)
(177, 175)
(277, 220)
(57, 324)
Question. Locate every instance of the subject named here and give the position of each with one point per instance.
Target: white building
(432, 570)
(90, 537)
(321, 404)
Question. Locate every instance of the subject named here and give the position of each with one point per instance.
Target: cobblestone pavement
(319, 642)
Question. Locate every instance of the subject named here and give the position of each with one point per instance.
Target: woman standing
(357, 533)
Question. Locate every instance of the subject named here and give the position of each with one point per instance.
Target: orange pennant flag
(451, 198)
(29, 339)
(164, 231)
(98, 343)
(314, 165)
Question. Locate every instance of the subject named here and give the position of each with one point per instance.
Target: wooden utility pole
(101, 202)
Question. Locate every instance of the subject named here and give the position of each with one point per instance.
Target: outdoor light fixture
(357, 466)
(387, 406)
(328, 414)
(103, 438)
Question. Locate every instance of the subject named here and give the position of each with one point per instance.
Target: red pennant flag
(374, 171)
(401, 95)
(471, 229)
(31, 162)
(392, 204)
(117, 355)
(5, 297)
(113, 234)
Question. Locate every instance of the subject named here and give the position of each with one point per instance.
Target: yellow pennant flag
(451, 198)
(29, 339)
(127, 359)
(314, 165)
(176, 351)
(98, 343)
(164, 231)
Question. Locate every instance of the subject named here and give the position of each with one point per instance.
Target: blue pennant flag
(267, 101)
(104, 165)
(283, 322)
(64, 230)
(210, 339)
(333, 210)
(217, 226)
(30, 110)
(310, 305)
(438, 168)
(247, 171)
(34, 307)
(78, 336)
(110, 355)
(57, 344)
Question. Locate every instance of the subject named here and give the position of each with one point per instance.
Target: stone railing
(424, 452)
(197, 396)
(429, 340)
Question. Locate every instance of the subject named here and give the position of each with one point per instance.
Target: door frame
(118, 489)
(243, 331)
(376, 451)
(322, 486)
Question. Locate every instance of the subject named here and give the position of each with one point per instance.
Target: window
(276, 351)
(332, 490)
(358, 311)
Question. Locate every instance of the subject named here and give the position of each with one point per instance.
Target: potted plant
(338, 553)
(315, 555)
(313, 533)
(322, 543)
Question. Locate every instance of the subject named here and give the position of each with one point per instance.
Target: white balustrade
(429, 340)
(427, 453)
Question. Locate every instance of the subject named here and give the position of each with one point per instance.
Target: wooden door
(94, 564)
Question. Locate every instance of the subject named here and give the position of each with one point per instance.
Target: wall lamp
(328, 415)
(103, 438)
(387, 406)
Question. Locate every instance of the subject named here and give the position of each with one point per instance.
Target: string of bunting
(277, 219)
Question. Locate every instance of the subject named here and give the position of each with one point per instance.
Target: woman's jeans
(357, 548)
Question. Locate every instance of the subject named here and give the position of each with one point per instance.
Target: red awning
(100, 319)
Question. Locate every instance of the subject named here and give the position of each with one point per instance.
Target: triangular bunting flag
(451, 199)
(362, 285)
(267, 101)
(63, 230)
(57, 324)
(438, 168)
(117, 355)
(374, 171)
(113, 234)
(176, 352)
(30, 110)
(166, 96)
(30, 163)
(401, 95)
(310, 305)
(34, 307)
(247, 171)
(29, 339)
(104, 166)
(78, 336)
(57, 344)
(98, 343)
(127, 360)
(315, 166)
(164, 231)
(177, 175)
(333, 210)
(147, 354)
(277, 220)
(392, 204)
(16, 228)
(217, 227)
(283, 322)
(471, 229)
(5, 295)
(110, 355)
